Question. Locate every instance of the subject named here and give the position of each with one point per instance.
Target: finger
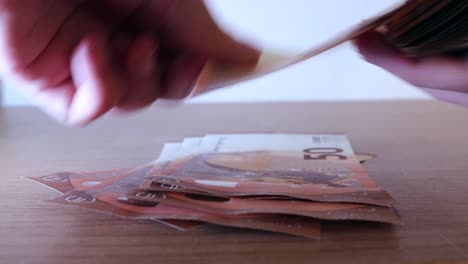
(142, 75)
(449, 96)
(27, 28)
(436, 72)
(54, 101)
(116, 10)
(51, 67)
(190, 25)
(98, 86)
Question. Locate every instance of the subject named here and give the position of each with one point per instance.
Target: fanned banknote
(108, 203)
(248, 205)
(97, 191)
(66, 182)
(314, 167)
(112, 203)
(168, 191)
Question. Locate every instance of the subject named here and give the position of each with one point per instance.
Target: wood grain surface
(422, 160)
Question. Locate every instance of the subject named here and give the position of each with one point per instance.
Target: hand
(78, 59)
(443, 77)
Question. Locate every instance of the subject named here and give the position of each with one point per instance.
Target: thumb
(191, 24)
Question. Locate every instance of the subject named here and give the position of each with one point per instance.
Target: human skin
(79, 59)
(444, 77)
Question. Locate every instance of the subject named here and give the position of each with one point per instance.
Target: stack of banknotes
(285, 183)
(427, 27)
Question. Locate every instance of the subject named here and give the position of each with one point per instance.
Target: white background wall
(297, 25)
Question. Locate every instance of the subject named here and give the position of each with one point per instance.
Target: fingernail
(80, 113)
(198, 65)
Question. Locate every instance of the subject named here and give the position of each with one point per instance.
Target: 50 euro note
(66, 182)
(248, 205)
(169, 187)
(111, 203)
(107, 195)
(173, 194)
(314, 167)
(298, 226)
(98, 180)
(63, 182)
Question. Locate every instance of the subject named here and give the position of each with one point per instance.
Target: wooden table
(422, 150)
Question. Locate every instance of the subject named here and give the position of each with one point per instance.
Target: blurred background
(295, 26)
